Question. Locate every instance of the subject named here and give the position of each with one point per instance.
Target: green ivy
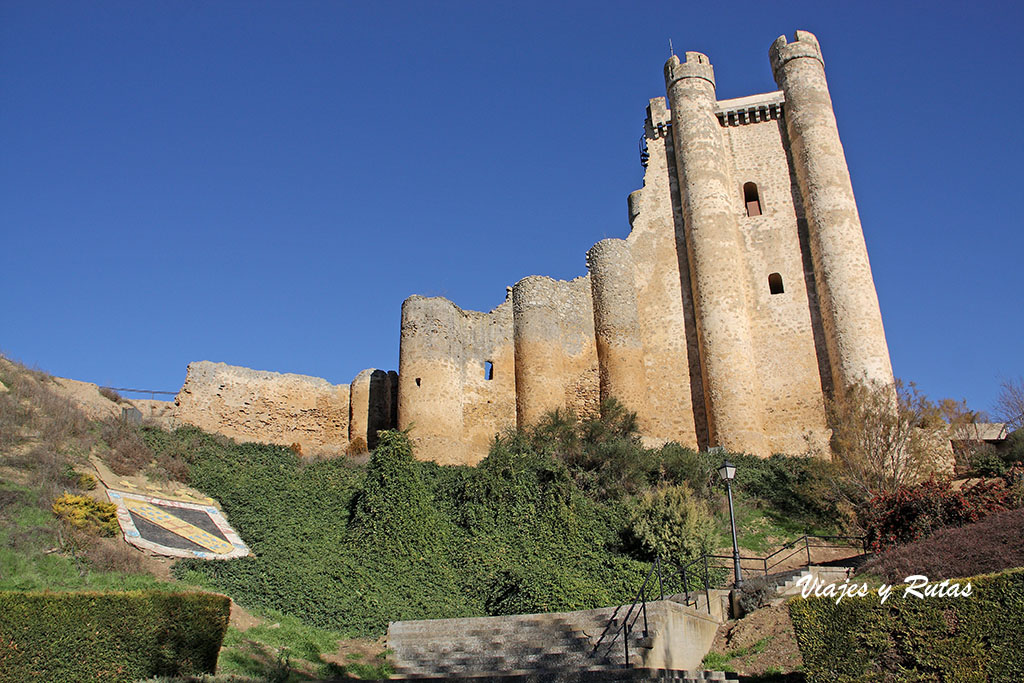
(351, 548)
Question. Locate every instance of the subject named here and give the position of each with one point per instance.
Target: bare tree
(880, 436)
(1010, 403)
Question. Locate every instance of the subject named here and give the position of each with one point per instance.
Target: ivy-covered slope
(352, 548)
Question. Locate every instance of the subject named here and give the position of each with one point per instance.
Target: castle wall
(782, 330)
(673, 409)
(680, 321)
(851, 316)
(371, 400)
(732, 391)
(555, 348)
(445, 397)
(269, 407)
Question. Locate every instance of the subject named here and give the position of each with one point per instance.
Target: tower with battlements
(740, 299)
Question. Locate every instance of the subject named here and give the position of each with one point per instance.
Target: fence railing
(701, 576)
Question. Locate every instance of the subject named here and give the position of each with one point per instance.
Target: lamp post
(727, 472)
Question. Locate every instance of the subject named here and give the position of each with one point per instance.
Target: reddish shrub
(991, 545)
(913, 512)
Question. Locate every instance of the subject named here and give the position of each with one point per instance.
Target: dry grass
(128, 454)
(111, 395)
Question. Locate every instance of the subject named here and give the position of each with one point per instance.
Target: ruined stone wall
(456, 378)
(253, 405)
(373, 399)
(555, 348)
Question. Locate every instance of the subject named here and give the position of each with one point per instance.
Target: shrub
(72, 637)
(755, 594)
(110, 394)
(974, 638)
(672, 523)
(128, 453)
(986, 462)
(680, 465)
(87, 514)
(800, 488)
(991, 545)
(877, 437)
(356, 446)
(912, 512)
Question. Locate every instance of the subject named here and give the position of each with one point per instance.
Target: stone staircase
(534, 647)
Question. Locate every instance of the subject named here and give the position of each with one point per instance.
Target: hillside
(561, 517)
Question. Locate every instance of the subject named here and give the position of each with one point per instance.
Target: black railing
(701, 575)
(614, 629)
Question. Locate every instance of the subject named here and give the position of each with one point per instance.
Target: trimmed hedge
(109, 636)
(975, 638)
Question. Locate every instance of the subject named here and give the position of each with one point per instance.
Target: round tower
(732, 393)
(539, 358)
(430, 374)
(850, 314)
(620, 354)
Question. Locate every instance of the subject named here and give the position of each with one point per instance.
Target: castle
(741, 297)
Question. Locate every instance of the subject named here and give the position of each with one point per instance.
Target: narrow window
(775, 284)
(488, 370)
(417, 381)
(751, 199)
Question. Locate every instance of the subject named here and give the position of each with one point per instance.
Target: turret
(430, 374)
(718, 277)
(851, 317)
(620, 353)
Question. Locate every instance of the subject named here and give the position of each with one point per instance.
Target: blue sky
(264, 183)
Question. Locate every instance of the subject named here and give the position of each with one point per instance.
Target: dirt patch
(763, 642)
(241, 618)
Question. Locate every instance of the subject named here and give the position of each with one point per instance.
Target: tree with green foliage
(672, 523)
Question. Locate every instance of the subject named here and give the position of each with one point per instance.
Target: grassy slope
(347, 548)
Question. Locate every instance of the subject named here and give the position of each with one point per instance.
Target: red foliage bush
(991, 545)
(913, 512)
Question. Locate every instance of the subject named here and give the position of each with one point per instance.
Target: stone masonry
(742, 293)
(285, 409)
(740, 298)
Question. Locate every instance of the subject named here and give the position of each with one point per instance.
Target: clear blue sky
(264, 183)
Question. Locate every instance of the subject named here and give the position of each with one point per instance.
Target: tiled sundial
(176, 528)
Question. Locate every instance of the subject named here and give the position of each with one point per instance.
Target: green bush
(671, 523)
(126, 636)
(986, 462)
(975, 638)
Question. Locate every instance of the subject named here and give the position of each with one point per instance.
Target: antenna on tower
(671, 51)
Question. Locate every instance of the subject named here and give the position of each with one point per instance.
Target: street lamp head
(727, 471)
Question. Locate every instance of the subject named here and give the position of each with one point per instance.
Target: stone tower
(741, 296)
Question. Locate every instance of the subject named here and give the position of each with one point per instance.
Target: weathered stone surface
(722, 319)
(253, 405)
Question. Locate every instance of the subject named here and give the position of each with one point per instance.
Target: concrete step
(589, 675)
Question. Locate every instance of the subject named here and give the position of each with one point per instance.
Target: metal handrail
(691, 570)
(626, 627)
